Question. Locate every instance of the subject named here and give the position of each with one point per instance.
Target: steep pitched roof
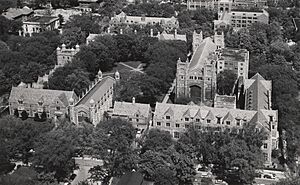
(130, 109)
(202, 52)
(33, 96)
(97, 91)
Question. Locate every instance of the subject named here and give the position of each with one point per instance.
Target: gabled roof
(210, 116)
(228, 116)
(187, 113)
(13, 13)
(130, 109)
(202, 52)
(169, 111)
(97, 91)
(33, 96)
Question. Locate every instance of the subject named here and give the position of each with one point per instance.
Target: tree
(157, 140)
(72, 36)
(53, 153)
(36, 117)
(5, 4)
(113, 140)
(24, 115)
(43, 116)
(225, 82)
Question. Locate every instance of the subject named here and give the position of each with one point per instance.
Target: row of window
(238, 122)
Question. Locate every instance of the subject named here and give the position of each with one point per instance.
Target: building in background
(39, 24)
(166, 23)
(238, 19)
(65, 55)
(19, 14)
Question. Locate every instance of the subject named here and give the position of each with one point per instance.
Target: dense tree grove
(157, 155)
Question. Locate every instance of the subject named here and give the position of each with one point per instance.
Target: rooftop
(13, 13)
(47, 96)
(202, 52)
(97, 91)
(42, 19)
(128, 108)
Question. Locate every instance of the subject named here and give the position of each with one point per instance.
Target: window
(265, 145)
(176, 134)
(130, 119)
(227, 122)
(168, 117)
(191, 77)
(208, 121)
(238, 122)
(186, 125)
(57, 108)
(158, 123)
(186, 119)
(197, 120)
(137, 115)
(218, 120)
(273, 127)
(198, 127)
(271, 118)
(177, 125)
(168, 124)
(137, 120)
(265, 156)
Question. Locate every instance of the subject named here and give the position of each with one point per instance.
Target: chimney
(133, 100)
(121, 31)
(175, 34)
(151, 32)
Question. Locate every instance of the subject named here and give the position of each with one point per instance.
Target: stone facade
(136, 113)
(95, 101)
(53, 102)
(65, 55)
(196, 78)
(176, 119)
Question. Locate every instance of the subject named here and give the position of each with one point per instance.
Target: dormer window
(186, 119)
(40, 103)
(137, 115)
(168, 117)
(20, 101)
(218, 120)
(197, 120)
(271, 118)
(238, 122)
(208, 121)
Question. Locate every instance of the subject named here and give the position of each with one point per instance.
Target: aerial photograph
(149, 92)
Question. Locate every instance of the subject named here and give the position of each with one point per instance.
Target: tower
(117, 76)
(99, 75)
(93, 112)
(73, 117)
(197, 39)
(181, 75)
(219, 40)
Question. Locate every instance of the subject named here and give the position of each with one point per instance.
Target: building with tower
(65, 55)
(94, 101)
(196, 78)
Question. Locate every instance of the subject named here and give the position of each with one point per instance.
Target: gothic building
(196, 78)
(65, 55)
(95, 101)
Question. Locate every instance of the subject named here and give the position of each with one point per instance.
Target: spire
(99, 75)
(117, 75)
(151, 32)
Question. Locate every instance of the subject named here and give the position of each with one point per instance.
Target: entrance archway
(196, 91)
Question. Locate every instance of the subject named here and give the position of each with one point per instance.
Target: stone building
(39, 24)
(176, 119)
(138, 114)
(255, 93)
(54, 102)
(196, 78)
(169, 36)
(65, 55)
(95, 101)
(224, 101)
(238, 19)
(225, 5)
(236, 60)
(166, 23)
